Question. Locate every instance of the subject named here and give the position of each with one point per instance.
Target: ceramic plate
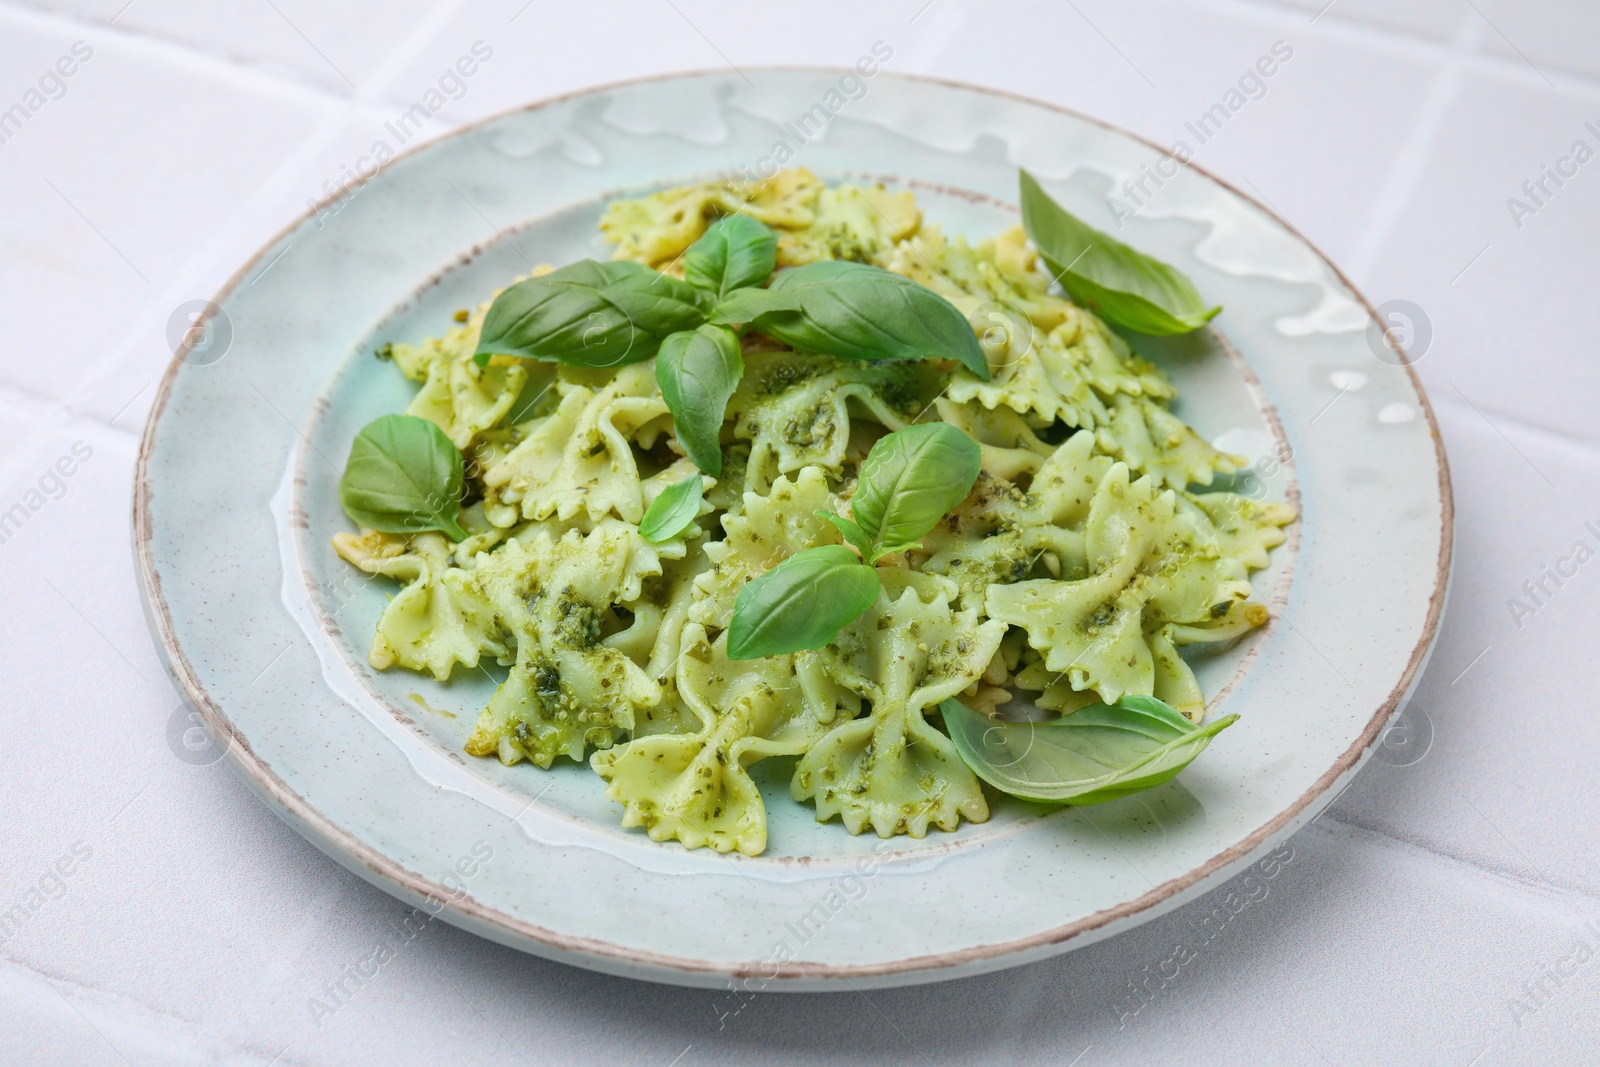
(265, 630)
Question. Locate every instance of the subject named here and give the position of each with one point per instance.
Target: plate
(265, 630)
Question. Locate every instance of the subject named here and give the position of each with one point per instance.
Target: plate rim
(388, 874)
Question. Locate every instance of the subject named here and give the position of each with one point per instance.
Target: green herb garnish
(1125, 287)
(735, 252)
(403, 476)
(590, 314)
(671, 512)
(801, 603)
(697, 372)
(747, 305)
(594, 314)
(1089, 756)
(907, 483)
(857, 311)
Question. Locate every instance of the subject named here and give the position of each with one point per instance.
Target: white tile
(1546, 33)
(1510, 305)
(1437, 19)
(75, 648)
(1513, 743)
(1265, 146)
(179, 871)
(1317, 141)
(1350, 953)
(336, 46)
(21, 418)
(1278, 965)
(533, 45)
(97, 235)
(1351, 957)
(41, 1024)
(120, 387)
(1293, 973)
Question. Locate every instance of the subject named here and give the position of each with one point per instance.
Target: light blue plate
(266, 630)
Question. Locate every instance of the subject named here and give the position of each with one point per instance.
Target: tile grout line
(1405, 174)
(51, 415)
(1543, 434)
(1502, 875)
(1396, 40)
(1367, 35)
(217, 259)
(247, 74)
(178, 53)
(82, 986)
(1347, 30)
(21, 465)
(63, 412)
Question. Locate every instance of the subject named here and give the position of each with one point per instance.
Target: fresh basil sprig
(911, 478)
(403, 476)
(698, 371)
(801, 603)
(1089, 756)
(673, 509)
(1125, 287)
(858, 311)
(735, 252)
(590, 314)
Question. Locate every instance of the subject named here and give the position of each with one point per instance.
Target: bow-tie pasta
(1103, 538)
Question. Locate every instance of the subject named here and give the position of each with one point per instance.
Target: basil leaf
(736, 251)
(671, 512)
(1098, 753)
(698, 371)
(747, 305)
(801, 603)
(852, 533)
(1125, 287)
(911, 479)
(564, 316)
(403, 476)
(657, 303)
(589, 314)
(856, 311)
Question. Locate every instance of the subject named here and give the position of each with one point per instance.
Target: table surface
(1444, 910)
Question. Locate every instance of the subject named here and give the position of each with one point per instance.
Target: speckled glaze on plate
(266, 631)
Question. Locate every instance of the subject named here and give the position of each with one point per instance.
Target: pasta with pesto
(1093, 547)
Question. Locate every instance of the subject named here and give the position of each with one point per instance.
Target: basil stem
(852, 534)
(1125, 287)
(403, 476)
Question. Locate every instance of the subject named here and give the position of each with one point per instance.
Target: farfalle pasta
(1091, 550)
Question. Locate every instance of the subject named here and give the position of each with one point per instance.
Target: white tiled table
(1413, 918)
